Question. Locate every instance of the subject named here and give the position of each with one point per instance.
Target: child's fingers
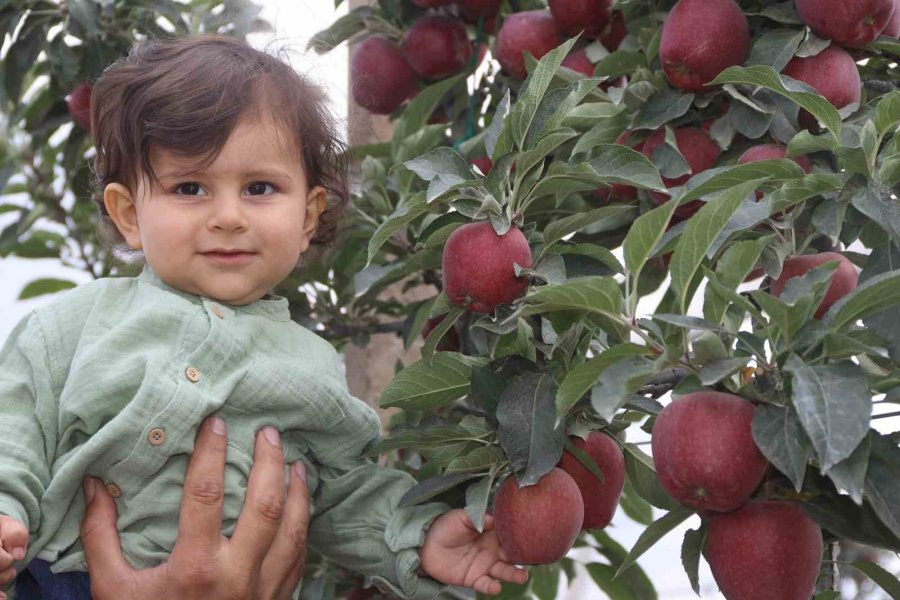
(13, 537)
(507, 572)
(486, 585)
(7, 575)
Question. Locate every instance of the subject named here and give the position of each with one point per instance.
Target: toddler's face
(235, 229)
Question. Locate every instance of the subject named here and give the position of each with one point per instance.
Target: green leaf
(442, 163)
(429, 383)
(775, 48)
(492, 134)
(779, 435)
(607, 579)
(528, 431)
(607, 131)
(427, 437)
(882, 486)
(701, 231)
(87, 14)
(617, 383)
(428, 489)
(808, 143)
(407, 211)
(642, 475)
(887, 115)
(884, 259)
(767, 77)
(653, 534)
(606, 218)
(691, 548)
(662, 107)
(436, 334)
(886, 581)
(480, 460)
(534, 90)
(620, 62)
(342, 29)
(477, 495)
(583, 376)
(615, 163)
(714, 372)
(599, 295)
(875, 295)
(732, 267)
(643, 236)
(834, 406)
(849, 475)
(878, 205)
(545, 581)
(554, 107)
(725, 178)
(39, 287)
(419, 109)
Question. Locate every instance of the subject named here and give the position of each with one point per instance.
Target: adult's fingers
(102, 548)
(282, 568)
(263, 508)
(200, 519)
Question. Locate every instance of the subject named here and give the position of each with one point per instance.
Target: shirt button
(113, 490)
(193, 374)
(157, 436)
(218, 311)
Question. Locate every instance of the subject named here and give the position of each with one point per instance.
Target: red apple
(853, 23)
(537, 524)
(614, 32)
(769, 152)
(579, 62)
(700, 39)
(704, 452)
(472, 9)
(843, 280)
(832, 73)
(381, 78)
(618, 192)
(892, 29)
(766, 550)
(79, 105)
(484, 163)
(600, 497)
(700, 152)
(437, 47)
(478, 266)
(531, 30)
(577, 16)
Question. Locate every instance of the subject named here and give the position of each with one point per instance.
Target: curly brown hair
(187, 95)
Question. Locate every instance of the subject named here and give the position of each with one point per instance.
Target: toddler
(214, 161)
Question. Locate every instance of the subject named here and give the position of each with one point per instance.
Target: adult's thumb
(99, 536)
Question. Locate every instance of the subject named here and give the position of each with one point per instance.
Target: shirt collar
(269, 306)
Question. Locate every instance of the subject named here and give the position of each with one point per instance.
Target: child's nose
(228, 214)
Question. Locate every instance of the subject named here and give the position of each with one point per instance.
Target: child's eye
(259, 188)
(190, 188)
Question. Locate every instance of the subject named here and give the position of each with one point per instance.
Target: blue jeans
(38, 583)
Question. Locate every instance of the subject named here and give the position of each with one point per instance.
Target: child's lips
(229, 257)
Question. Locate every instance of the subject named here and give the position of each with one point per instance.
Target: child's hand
(456, 554)
(13, 542)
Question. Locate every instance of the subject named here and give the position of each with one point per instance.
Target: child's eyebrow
(254, 174)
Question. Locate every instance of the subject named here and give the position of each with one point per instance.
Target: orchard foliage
(671, 220)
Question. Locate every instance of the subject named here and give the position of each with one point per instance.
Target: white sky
(296, 21)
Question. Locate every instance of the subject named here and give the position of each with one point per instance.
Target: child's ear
(122, 210)
(315, 206)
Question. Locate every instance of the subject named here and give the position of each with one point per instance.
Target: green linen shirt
(113, 379)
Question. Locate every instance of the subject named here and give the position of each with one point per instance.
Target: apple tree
(672, 223)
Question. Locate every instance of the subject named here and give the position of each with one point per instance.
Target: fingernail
(18, 553)
(272, 435)
(88, 486)
(300, 469)
(217, 424)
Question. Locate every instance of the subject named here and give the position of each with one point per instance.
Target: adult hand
(264, 558)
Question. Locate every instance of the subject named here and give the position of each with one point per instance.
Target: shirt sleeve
(26, 399)
(357, 522)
